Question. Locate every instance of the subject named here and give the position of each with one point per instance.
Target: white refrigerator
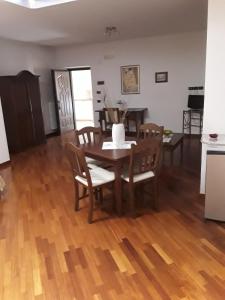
(215, 186)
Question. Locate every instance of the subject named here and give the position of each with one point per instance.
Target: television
(196, 101)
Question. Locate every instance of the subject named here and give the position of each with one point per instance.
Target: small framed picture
(130, 79)
(161, 77)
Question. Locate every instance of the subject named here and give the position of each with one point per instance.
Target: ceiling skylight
(38, 3)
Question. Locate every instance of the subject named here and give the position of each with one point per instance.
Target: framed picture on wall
(130, 79)
(161, 77)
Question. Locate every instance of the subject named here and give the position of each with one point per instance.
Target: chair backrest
(88, 135)
(111, 115)
(78, 162)
(150, 130)
(145, 156)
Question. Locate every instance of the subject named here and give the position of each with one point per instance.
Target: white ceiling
(84, 21)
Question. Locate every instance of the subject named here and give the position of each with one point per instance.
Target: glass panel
(83, 110)
(82, 96)
(82, 85)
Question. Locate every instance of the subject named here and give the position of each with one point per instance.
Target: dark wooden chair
(92, 179)
(89, 135)
(111, 116)
(150, 130)
(144, 166)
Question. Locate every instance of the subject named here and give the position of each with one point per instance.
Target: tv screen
(196, 101)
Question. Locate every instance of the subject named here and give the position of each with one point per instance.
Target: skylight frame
(36, 4)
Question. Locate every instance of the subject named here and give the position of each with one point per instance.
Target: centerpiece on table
(118, 129)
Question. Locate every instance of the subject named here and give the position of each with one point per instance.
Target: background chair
(150, 130)
(93, 179)
(111, 115)
(143, 166)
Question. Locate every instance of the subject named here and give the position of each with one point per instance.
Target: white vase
(118, 134)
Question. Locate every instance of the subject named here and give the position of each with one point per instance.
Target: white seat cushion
(93, 161)
(99, 176)
(139, 177)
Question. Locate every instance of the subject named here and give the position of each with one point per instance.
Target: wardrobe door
(24, 119)
(9, 112)
(36, 111)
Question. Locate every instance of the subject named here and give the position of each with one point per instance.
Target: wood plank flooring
(48, 251)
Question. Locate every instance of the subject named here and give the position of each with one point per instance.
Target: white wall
(16, 56)
(214, 120)
(214, 108)
(4, 152)
(183, 56)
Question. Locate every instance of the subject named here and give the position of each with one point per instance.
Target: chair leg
(101, 195)
(96, 193)
(76, 192)
(155, 194)
(84, 191)
(91, 206)
(131, 201)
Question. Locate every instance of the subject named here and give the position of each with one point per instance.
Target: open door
(64, 103)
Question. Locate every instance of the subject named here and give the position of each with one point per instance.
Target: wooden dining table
(118, 157)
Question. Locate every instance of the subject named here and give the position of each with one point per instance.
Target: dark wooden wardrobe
(21, 104)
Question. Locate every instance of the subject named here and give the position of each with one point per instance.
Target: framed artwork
(130, 79)
(161, 77)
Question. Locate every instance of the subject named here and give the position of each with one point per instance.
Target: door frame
(58, 131)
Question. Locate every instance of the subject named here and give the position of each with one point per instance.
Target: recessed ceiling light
(38, 3)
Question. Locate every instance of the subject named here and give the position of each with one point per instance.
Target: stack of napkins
(166, 139)
(112, 146)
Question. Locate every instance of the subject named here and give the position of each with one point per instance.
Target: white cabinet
(215, 188)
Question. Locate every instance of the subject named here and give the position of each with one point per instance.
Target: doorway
(82, 95)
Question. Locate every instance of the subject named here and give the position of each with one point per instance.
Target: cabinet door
(35, 102)
(23, 109)
(8, 108)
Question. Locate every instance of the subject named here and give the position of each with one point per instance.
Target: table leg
(139, 120)
(181, 150)
(190, 117)
(171, 157)
(118, 188)
(142, 117)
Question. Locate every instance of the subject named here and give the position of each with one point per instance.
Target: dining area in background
(133, 119)
(98, 162)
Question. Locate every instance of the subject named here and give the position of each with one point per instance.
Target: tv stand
(192, 118)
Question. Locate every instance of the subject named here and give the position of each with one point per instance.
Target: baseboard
(5, 164)
(202, 196)
(51, 134)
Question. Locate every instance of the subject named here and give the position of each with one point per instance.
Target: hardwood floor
(48, 251)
